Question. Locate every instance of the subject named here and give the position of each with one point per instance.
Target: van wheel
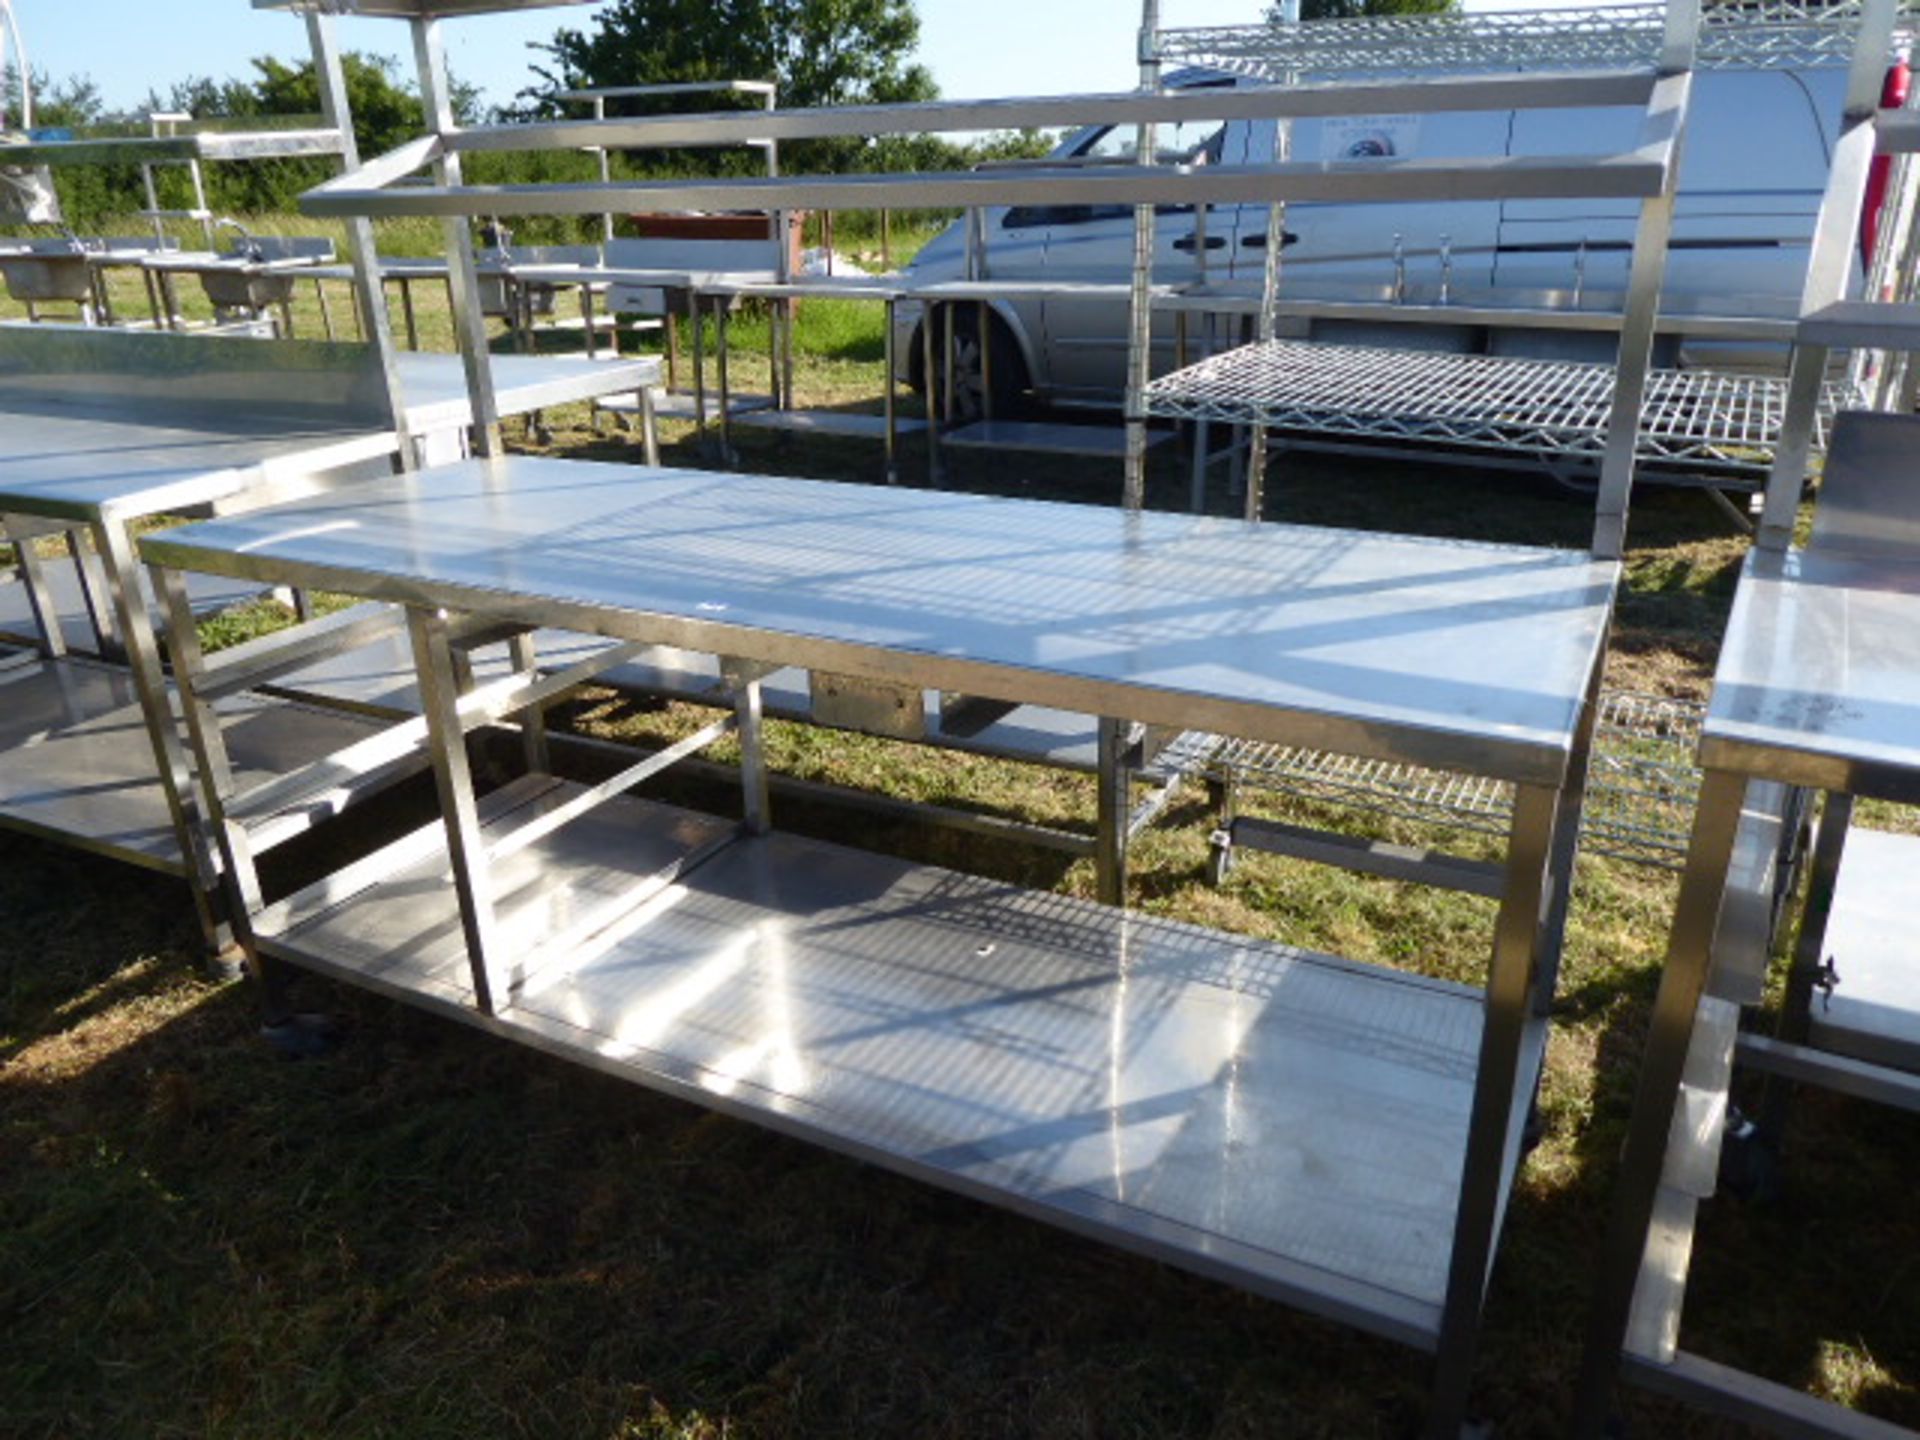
(1010, 380)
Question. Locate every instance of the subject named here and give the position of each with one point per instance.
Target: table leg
(115, 548)
(33, 574)
(928, 374)
(406, 309)
(720, 344)
(1696, 917)
(695, 307)
(1502, 1096)
(453, 779)
(326, 310)
(890, 400)
(1114, 779)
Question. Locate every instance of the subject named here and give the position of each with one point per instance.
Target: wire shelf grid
(1770, 35)
(1641, 787)
(1553, 410)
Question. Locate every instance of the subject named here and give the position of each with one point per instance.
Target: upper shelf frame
(413, 9)
(203, 145)
(377, 188)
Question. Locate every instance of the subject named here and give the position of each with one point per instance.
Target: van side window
(1185, 144)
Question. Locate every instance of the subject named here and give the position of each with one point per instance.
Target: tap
(1399, 269)
(1579, 272)
(248, 248)
(1446, 268)
(74, 242)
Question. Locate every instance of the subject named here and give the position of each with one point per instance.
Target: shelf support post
(453, 778)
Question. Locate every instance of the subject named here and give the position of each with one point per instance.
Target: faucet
(1399, 269)
(248, 248)
(1446, 268)
(74, 243)
(1579, 271)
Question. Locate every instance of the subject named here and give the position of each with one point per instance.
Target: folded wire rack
(1641, 786)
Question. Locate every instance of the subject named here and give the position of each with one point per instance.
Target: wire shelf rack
(1641, 787)
(1552, 410)
(1773, 34)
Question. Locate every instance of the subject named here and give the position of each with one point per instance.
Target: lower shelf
(1873, 937)
(1292, 1123)
(1037, 437)
(76, 764)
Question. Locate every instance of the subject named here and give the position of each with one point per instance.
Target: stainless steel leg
(649, 427)
(33, 574)
(699, 365)
(453, 777)
(533, 723)
(1502, 1095)
(115, 547)
(406, 309)
(984, 320)
(744, 681)
(1689, 959)
(1566, 847)
(786, 352)
(928, 374)
(96, 595)
(721, 339)
(1113, 778)
(890, 400)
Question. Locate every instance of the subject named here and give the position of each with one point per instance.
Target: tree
(1361, 9)
(819, 52)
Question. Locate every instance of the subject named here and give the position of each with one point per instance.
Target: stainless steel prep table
(101, 430)
(1335, 1134)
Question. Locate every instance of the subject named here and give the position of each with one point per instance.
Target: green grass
(433, 1234)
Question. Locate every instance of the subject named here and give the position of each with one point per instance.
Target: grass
(433, 1234)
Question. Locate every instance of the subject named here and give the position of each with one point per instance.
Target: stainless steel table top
(89, 463)
(1464, 656)
(434, 386)
(1819, 677)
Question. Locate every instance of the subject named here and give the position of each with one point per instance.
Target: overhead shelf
(1552, 410)
(413, 9)
(1778, 34)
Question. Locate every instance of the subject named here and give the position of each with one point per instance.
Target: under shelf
(1553, 411)
(76, 764)
(1873, 937)
(1290, 1122)
(1101, 442)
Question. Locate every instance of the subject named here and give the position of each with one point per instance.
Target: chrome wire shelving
(1641, 786)
(1788, 35)
(1722, 424)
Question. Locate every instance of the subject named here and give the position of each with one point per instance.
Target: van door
(1086, 337)
(1346, 251)
(1751, 176)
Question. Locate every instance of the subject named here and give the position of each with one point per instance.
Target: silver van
(1754, 167)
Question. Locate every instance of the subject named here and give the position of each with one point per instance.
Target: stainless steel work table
(1335, 1134)
(193, 424)
(1817, 689)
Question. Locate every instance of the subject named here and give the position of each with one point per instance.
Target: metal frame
(1861, 557)
(745, 608)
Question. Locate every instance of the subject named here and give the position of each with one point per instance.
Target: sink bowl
(53, 273)
(246, 286)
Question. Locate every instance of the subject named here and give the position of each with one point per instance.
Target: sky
(974, 47)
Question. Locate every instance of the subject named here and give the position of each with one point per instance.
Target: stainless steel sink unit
(1096, 1068)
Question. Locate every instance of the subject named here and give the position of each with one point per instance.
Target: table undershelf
(76, 764)
(1290, 1122)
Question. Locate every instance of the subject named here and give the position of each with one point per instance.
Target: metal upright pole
(1668, 121)
(463, 279)
(375, 324)
(1829, 269)
(1140, 346)
(1270, 289)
